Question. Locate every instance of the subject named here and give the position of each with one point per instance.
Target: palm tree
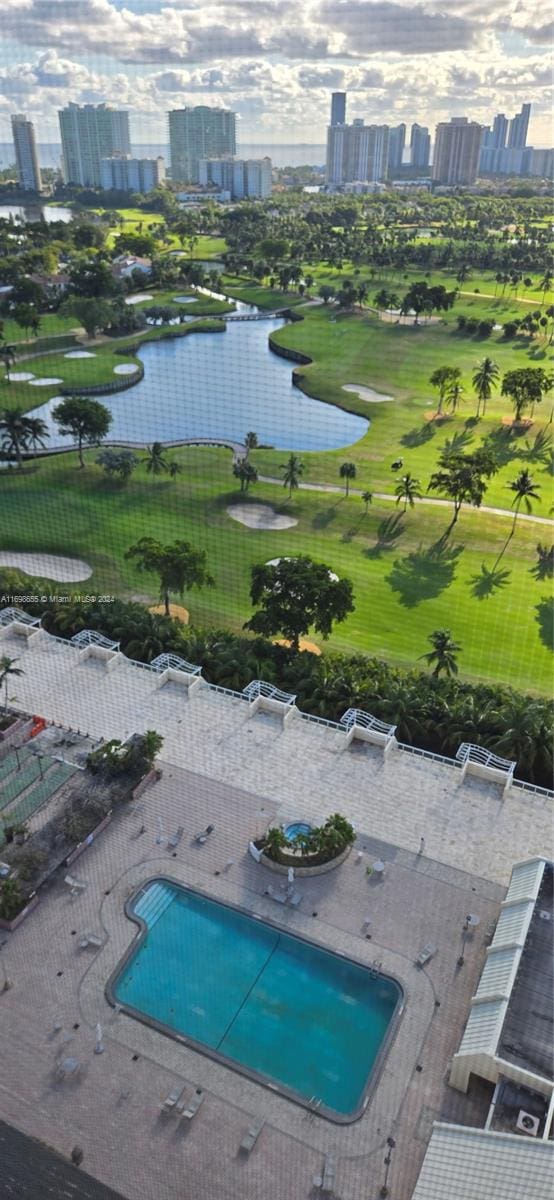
(7, 354)
(454, 395)
(293, 469)
(174, 468)
(444, 652)
(545, 283)
(525, 492)
(484, 381)
(275, 842)
(13, 432)
(178, 566)
(250, 442)
(347, 471)
(246, 472)
(444, 379)
(367, 498)
(8, 668)
(36, 432)
(155, 461)
(408, 491)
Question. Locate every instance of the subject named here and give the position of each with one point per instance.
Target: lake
(36, 212)
(220, 385)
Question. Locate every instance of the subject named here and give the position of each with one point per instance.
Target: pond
(220, 385)
(36, 212)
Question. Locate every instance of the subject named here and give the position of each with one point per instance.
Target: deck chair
(328, 1180)
(424, 955)
(294, 899)
(176, 837)
(76, 887)
(279, 897)
(90, 939)
(251, 1136)
(172, 1100)
(203, 837)
(192, 1107)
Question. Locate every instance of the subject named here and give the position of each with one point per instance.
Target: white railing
(468, 752)
(223, 691)
(364, 720)
(440, 758)
(91, 637)
(533, 787)
(166, 662)
(9, 615)
(268, 691)
(320, 721)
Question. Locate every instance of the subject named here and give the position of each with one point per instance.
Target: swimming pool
(295, 828)
(291, 1015)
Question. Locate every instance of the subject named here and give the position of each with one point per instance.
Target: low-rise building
(243, 178)
(122, 173)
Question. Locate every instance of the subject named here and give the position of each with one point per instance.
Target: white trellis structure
(91, 644)
(22, 624)
(265, 696)
(172, 669)
(367, 728)
(478, 761)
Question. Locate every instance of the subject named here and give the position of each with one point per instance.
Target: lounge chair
(176, 837)
(328, 1180)
(424, 955)
(294, 899)
(172, 1100)
(251, 1136)
(279, 897)
(90, 939)
(68, 1068)
(192, 1107)
(75, 885)
(203, 837)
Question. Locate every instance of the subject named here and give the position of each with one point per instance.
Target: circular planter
(302, 872)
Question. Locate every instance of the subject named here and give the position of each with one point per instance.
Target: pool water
(295, 829)
(283, 1010)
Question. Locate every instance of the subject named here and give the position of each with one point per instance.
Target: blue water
(295, 828)
(221, 385)
(293, 1013)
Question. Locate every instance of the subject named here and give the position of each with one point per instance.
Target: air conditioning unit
(545, 915)
(527, 1123)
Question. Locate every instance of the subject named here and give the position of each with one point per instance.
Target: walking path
(336, 489)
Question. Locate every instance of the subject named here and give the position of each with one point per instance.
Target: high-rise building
(122, 173)
(499, 131)
(196, 133)
(357, 152)
(248, 178)
(457, 149)
(90, 133)
(519, 125)
(420, 146)
(542, 163)
(28, 170)
(338, 108)
(397, 141)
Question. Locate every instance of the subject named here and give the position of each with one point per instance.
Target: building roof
(477, 1164)
(32, 1171)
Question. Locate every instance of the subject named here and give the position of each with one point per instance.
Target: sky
(275, 62)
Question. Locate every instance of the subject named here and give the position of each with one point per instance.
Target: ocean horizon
(285, 154)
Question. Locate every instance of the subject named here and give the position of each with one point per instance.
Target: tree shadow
(539, 450)
(424, 574)
(324, 518)
(544, 566)
(500, 443)
(418, 437)
(471, 422)
(388, 533)
(545, 620)
(458, 443)
(488, 582)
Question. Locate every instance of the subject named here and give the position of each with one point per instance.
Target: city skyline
(275, 64)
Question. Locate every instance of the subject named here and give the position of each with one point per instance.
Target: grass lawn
(50, 324)
(255, 293)
(405, 586)
(201, 305)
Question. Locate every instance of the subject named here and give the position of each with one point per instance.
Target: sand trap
(21, 376)
(259, 516)
(125, 369)
(274, 562)
(366, 393)
(139, 298)
(185, 299)
(47, 381)
(304, 645)
(79, 354)
(47, 566)
(175, 610)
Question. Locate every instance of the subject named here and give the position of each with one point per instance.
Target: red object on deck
(38, 725)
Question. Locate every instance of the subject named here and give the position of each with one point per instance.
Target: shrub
(12, 899)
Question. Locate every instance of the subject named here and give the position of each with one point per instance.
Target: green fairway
(405, 585)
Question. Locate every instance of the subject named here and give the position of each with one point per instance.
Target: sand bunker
(175, 610)
(366, 393)
(304, 644)
(46, 566)
(139, 298)
(47, 381)
(274, 562)
(260, 516)
(185, 299)
(79, 354)
(125, 369)
(21, 376)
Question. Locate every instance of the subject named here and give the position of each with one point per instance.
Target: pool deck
(112, 1109)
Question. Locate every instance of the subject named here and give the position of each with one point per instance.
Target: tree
(326, 292)
(246, 472)
(295, 595)
(26, 317)
(155, 462)
(92, 277)
(484, 382)
(18, 432)
(347, 471)
(7, 354)
(87, 421)
(454, 395)
(444, 378)
(420, 298)
(367, 498)
(408, 491)
(7, 670)
(178, 566)
(525, 491)
(463, 478)
(293, 469)
(118, 462)
(443, 653)
(348, 294)
(250, 442)
(526, 387)
(545, 283)
(94, 314)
